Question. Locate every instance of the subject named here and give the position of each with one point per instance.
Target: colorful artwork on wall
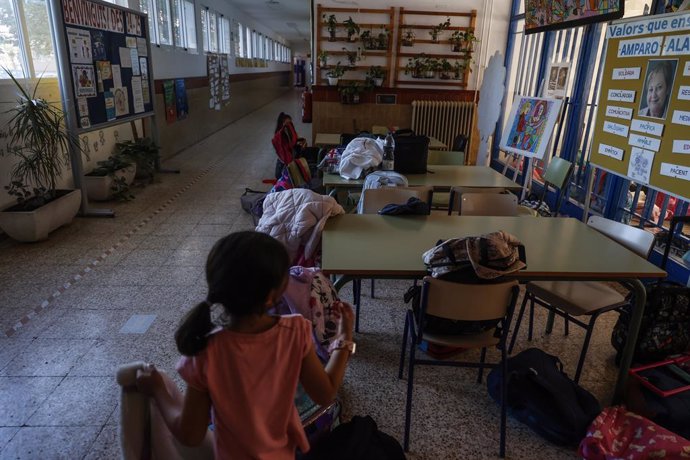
(530, 126)
(541, 15)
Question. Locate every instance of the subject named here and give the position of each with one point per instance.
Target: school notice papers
(137, 96)
(79, 46)
(84, 80)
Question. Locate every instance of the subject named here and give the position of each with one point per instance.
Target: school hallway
(103, 292)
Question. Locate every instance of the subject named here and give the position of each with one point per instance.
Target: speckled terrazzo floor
(61, 315)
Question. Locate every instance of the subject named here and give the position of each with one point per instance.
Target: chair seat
(439, 200)
(525, 211)
(485, 339)
(577, 298)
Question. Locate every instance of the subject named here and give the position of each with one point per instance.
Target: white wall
(492, 21)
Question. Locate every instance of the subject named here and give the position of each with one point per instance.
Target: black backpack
(543, 397)
(358, 439)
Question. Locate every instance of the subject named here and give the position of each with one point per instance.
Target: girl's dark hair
(241, 270)
(281, 120)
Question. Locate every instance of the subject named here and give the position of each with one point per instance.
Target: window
(184, 24)
(26, 46)
(248, 35)
(225, 39)
(160, 20)
(213, 31)
(239, 43)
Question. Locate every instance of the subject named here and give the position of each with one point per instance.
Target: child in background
(285, 142)
(246, 372)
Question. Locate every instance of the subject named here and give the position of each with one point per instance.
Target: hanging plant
(436, 30)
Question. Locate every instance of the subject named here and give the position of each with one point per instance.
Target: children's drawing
(530, 126)
(541, 15)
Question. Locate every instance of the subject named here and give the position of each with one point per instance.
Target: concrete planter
(99, 188)
(31, 226)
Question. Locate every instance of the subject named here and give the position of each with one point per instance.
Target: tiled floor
(64, 301)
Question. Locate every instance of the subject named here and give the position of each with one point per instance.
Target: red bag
(617, 433)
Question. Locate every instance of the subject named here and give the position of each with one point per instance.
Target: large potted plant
(40, 144)
(143, 152)
(111, 179)
(334, 74)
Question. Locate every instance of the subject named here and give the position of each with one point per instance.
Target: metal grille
(444, 120)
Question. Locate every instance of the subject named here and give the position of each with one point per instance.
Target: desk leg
(341, 281)
(640, 297)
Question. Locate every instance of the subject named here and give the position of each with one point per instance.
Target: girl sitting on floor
(285, 142)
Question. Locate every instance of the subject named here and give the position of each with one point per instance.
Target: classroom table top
(440, 177)
(556, 248)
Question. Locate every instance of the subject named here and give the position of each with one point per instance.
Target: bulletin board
(642, 129)
(108, 62)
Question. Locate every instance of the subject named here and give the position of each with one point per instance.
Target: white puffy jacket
(360, 154)
(296, 217)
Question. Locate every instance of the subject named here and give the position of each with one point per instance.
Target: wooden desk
(330, 140)
(441, 177)
(366, 245)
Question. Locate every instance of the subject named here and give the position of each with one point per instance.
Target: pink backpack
(617, 433)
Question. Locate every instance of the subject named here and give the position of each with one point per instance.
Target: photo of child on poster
(530, 126)
(658, 87)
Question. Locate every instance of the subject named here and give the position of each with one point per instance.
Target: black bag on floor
(252, 202)
(665, 328)
(543, 397)
(358, 439)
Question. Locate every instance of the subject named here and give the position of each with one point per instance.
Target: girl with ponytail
(241, 364)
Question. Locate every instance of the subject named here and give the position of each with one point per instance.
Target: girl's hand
(346, 319)
(149, 380)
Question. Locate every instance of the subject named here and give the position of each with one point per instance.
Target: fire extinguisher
(306, 106)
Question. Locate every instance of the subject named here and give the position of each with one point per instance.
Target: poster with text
(530, 126)
(137, 96)
(642, 125)
(79, 42)
(214, 80)
(224, 79)
(109, 98)
(121, 102)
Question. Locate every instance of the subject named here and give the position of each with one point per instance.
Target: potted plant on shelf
(430, 65)
(323, 58)
(459, 70)
(143, 152)
(353, 56)
(382, 39)
(352, 29)
(375, 75)
(331, 24)
(407, 36)
(445, 69)
(40, 143)
(349, 94)
(368, 41)
(415, 67)
(111, 179)
(436, 30)
(463, 41)
(334, 73)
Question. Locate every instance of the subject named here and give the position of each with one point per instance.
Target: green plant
(353, 56)
(336, 72)
(144, 152)
(352, 28)
(110, 167)
(459, 70)
(416, 66)
(349, 94)
(407, 36)
(446, 69)
(375, 73)
(382, 39)
(368, 41)
(331, 24)
(436, 30)
(463, 41)
(323, 58)
(41, 144)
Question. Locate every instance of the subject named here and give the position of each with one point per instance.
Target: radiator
(443, 120)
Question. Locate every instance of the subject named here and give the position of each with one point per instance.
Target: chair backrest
(488, 204)
(459, 143)
(636, 239)
(456, 195)
(299, 172)
(376, 129)
(445, 157)
(375, 199)
(558, 172)
(469, 302)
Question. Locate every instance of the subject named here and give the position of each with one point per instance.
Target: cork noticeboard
(642, 130)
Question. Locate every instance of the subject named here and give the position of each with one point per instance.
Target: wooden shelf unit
(405, 22)
(342, 41)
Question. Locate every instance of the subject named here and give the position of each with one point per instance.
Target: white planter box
(98, 188)
(31, 226)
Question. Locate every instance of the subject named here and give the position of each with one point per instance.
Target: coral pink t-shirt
(251, 380)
